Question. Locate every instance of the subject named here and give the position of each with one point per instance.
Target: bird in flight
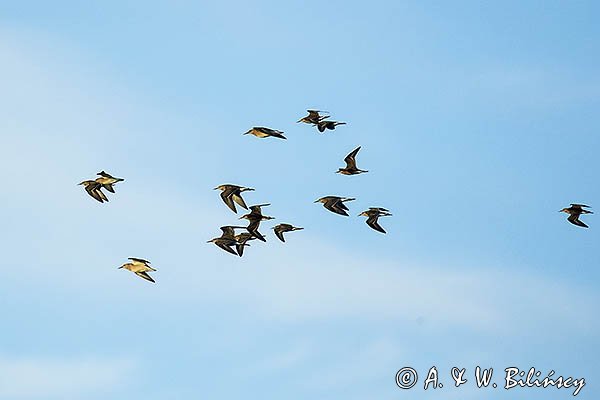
(107, 181)
(335, 204)
(327, 124)
(231, 194)
(574, 212)
(255, 217)
(227, 239)
(262, 132)
(140, 267)
(94, 189)
(313, 117)
(351, 168)
(373, 215)
(241, 240)
(281, 228)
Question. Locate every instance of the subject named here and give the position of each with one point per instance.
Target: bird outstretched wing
(372, 221)
(351, 158)
(145, 276)
(574, 219)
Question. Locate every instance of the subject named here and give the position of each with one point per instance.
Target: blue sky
(477, 122)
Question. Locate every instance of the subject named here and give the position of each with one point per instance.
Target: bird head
(565, 210)
(363, 214)
(249, 131)
(220, 187)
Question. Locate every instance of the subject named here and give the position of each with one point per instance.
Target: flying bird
(231, 194)
(281, 228)
(227, 239)
(335, 204)
(574, 212)
(140, 267)
(313, 117)
(327, 124)
(373, 215)
(94, 189)
(107, 181)
(241, 240)
(255, 217)
(262, 132)
(351, 168)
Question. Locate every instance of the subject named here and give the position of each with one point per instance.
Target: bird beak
(120, 267)
(247, 132)
(316, 201)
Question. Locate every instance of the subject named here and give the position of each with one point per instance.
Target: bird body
(241, 240)
(575, 212)
(107, 181)
(231, 194)
(227, 239)
(140, 267)
(335, 204)
(313, 117)
(326, 124)
(262, 132)
(373, 215)
(255, 217)
(350, 161)
(281, 228)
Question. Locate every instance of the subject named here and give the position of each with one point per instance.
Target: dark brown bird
(241, 240)
(227, 239)
(326, 124)
(255, 217)
(94, 189)
(575, 212)
(231, 194)
(281, 228)
(335, 204)
(373, 215)
(313, 117)
(262, 132)
(351, 168)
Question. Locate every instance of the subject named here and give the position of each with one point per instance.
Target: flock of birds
(234, 243)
